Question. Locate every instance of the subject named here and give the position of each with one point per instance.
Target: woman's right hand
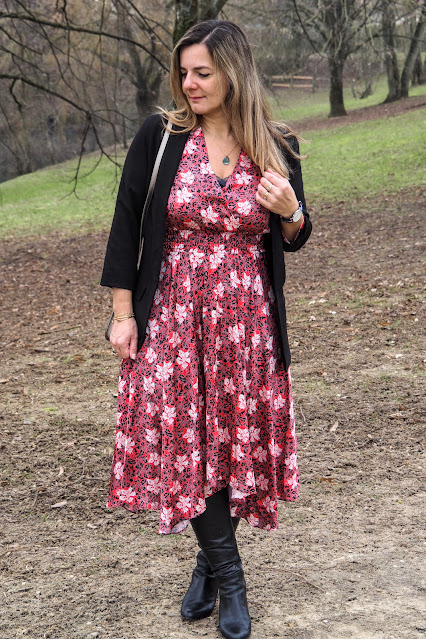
(124, 338)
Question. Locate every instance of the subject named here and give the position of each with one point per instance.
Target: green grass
(364, 159)
(43, 201)
(294, 105)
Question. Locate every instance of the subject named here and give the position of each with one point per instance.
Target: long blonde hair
(244, 103)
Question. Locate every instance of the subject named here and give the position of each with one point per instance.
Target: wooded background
(78, 75)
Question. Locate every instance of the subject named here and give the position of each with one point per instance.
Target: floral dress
(207, 403)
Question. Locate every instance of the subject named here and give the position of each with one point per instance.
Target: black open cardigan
(120, 266)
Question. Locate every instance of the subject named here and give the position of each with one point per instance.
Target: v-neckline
(215, 177)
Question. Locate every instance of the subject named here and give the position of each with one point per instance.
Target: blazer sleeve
(296, 182)
(120, 265)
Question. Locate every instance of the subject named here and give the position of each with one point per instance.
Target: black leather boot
(216, 537)
(201, 595)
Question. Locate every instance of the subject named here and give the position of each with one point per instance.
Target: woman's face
(202, 84)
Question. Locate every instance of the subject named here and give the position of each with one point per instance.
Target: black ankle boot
(200, 598)
(216, 536)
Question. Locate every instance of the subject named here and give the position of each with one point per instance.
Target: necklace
(226, 159)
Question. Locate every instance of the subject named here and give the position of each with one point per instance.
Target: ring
(269, 187)
(265, 197)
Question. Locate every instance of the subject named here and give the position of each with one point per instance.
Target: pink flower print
(250, 481)
(274, 448)
(152, 436)
(175, 487)
(174, 339)
(195, 385)
(180, 313)
(190, 147)
(219, 290)
(254, 434)
(151, 409)
(234, 334)
(206, 169)
(279, 401)
(291, 462)
(118, 470)
(209, 472)
(260, 453)
(181, 463)
(262, 482)
(196, 457)
(165, 312)
(291, 410)
(219, 343)
(291, 482)
(209, 215)
(254, 252)
(127, 495)
(121, 385)
(183, 196)
(154, 459)
(258, 287)
(183, 359)
(271, 365)
(152, 328)
(217, 256)
(216, 313)
(201, 505)
(269, 504)
(186, 177)
(196, 257)
(119, 439)
(265, 393)
(165, 371)
(242, 405)
(223, 435)
(246, 281)
(243, 434)
(193, 412)
(119, 415)
(153, 485)
(243, 178)
(166, 515)
(229, 385)
(244, 208)
(150, 355)
(255, 339)
(265, 309)
(128, 445)
(253, 520)
(184, 504)
(251, 405)
(269, 343)
(148, 385)
(189, 435)
(237, 452)
(158, 298)
(247, 353)
(245, 161)
(175, 255)
(169, 415)
(235, 280)
(231, 223)
(187, 284)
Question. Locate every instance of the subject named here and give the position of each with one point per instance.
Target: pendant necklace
(226, 159)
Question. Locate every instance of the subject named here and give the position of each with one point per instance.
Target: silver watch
(295, 217)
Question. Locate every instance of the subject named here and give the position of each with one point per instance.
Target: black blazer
(120, 266)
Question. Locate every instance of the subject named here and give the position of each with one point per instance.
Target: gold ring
(265, 197)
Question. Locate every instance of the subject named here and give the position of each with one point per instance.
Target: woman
(205, 429)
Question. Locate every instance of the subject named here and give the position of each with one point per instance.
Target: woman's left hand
(276, 194)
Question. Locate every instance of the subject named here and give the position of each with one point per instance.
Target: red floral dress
(207, 402)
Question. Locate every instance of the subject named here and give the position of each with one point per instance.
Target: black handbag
(145, 209)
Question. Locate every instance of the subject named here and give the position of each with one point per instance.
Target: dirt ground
(348, 559)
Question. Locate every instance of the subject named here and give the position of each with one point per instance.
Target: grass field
(363, 159)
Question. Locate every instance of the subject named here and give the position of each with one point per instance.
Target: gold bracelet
(124, 316)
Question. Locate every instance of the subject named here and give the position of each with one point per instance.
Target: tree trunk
(189, 12)
(337, 106)
(391, 62)
(417, 75)
(412, 53)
